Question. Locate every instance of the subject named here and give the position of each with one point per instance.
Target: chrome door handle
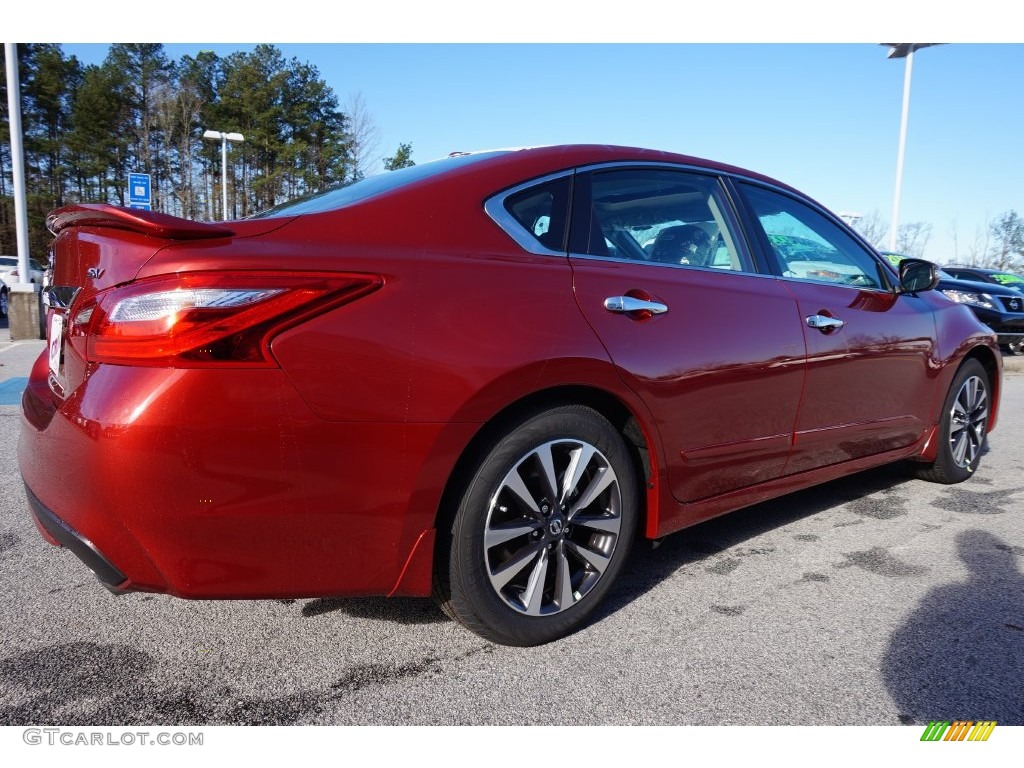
(627, 304)
(824, 323)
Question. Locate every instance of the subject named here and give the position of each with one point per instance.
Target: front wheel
(962, 429)
(4, 303)
(543, 529)
(1016, 347)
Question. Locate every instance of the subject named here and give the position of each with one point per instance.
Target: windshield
(1007, 279)
(358, 191)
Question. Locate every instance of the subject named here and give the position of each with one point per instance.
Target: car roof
(571, 155)
(485, 172)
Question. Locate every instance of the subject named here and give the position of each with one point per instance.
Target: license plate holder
(56, 342)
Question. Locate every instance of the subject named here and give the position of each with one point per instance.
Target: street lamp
(24, 296)
(223, 138)
(902, 51)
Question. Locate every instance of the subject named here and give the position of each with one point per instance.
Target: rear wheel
(543, 529)
(4, 305)
(1016, 347)
(962, 429)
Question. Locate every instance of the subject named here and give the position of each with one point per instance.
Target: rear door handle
(824, 323)
(628, 304)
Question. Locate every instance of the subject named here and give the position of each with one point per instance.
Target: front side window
(809, 246)
(656, 215)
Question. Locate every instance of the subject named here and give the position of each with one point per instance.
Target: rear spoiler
(151, 223)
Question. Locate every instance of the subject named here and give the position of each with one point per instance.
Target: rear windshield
(358, 191)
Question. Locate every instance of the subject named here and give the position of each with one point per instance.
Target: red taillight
(207, 318)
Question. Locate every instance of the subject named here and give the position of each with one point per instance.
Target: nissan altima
(481, 377)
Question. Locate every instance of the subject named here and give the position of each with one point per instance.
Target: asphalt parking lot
(874, 600)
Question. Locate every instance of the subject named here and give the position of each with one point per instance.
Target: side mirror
(918, 275)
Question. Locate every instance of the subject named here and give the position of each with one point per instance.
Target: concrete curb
(1013, 364)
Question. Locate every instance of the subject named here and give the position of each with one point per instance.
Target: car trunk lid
(98, 246)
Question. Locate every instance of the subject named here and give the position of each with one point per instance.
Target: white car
(9, 276)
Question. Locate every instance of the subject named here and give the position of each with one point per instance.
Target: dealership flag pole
(902, 51)
(902, 150)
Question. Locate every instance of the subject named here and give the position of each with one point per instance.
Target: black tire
(1016, 347)
(544, 527)
(962, 427)
(4, 302)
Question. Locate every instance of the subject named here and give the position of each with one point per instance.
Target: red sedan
(481, 377)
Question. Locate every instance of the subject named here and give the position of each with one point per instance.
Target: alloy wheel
(552, 527)
(968, 418)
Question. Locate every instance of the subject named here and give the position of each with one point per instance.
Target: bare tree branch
(913, 238)
(873, 229)
(364, 136)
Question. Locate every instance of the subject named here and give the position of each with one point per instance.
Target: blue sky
(823, 117)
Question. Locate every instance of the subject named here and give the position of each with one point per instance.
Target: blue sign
(139, 188)
(140, 206)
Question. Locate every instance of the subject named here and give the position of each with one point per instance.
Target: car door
(870, 349)
(711, 346)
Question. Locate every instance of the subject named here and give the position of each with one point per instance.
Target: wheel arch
(991, 362)
(638, 436)
(992, 365)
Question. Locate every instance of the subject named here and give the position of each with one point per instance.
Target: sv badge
(94, 272)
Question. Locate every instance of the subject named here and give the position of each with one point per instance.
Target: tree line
(86, 127)
(996, 244)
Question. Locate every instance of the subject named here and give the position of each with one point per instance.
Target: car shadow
(647, 569)
(401, 611)
(960, 654)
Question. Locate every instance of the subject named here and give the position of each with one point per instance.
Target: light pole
(23, 296)
(902, 51)
(223, 138)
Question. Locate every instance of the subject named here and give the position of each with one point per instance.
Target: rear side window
(658, 216)
(543, 212)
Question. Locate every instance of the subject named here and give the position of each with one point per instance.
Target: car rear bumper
(62, 534)
(222, 484)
